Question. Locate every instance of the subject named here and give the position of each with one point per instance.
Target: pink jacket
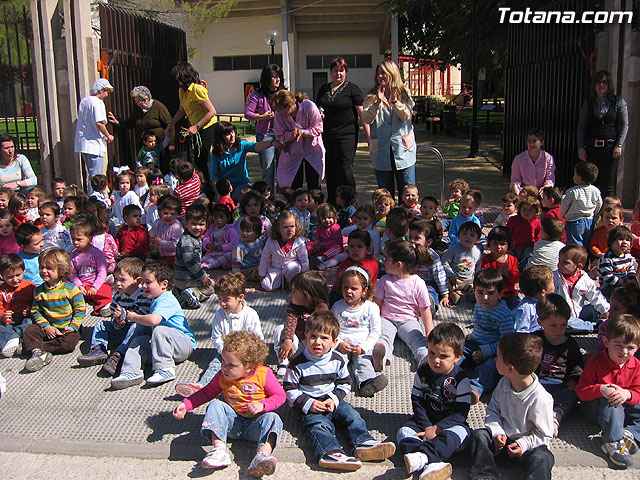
(273, 258)
(330, 237)
(525, 172)
(231, 239)
(168, 234)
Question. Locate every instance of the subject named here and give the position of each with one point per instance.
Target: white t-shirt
(88, 138)
(360, 325)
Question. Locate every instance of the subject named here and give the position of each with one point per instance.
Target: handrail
(441, 158)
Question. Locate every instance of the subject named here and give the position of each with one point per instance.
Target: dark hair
(553, 227)
(619, 233)
(500, 234)
(400, 250)
(185, 170)
(339, 62)
(280, 202)
(301, 191)
(510, 198)
(522, 350)
(129, 209)
(367, 287)
(317, 195)
(326, 210)
(222, 209)
(576, 253)
(286, 192)
(98, 216)
(58, 180)
(361, 235)
(81, 226)
(426, 228)
(429, 198)
(282, 216)
(168, 202)
(587, 171)
(223, 186)
(185, 73)
(99, 182)
(553, 304)
(253, 224)
(323, 322)
(553, 193)
(531, 202)
(78, 202)
(248, 195)
(313, 287)
(398, 222)
(626, 326)
(629, 296)
(17, 202)
(221, 129)
(488, 278)
(146, 134)
(600, 74)
(196, 213)
(261, 187)
(534, 279)
(472, 227)
(5, 137)
(132, 266)
(11, 261)
(7, 214)
(24, 233)
(53, 206)
(537, 132)
(477, 196)
(163, 271)
(450, 335)
(348, 194)
(265, 79)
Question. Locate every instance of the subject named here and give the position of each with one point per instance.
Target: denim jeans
(523, 256)
(268, 160)
(613, 419)
(105, 332)
(483, 376)
(223, 421)
(14, 329)
(95, 166)
(322, 428)
(562, 397)
(385, 179)
(214, 367)
(579, 231)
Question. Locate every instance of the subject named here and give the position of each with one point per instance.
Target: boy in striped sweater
(581, 203)
(316, 383)
(58, 311)
(617, 266)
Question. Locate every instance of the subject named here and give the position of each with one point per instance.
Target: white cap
(101, 84)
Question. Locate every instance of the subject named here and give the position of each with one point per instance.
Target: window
(244, 62)
(318, 62)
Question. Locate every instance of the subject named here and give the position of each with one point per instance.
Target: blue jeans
(322, 428)
(222, 420)
(579, 231)
(613, 419)
(214, 367)
(483, 376)
(14, 329)
(562, 397)
(523, 256)
(105, 333)
(268, 160)
(95, 165)
(386, 179)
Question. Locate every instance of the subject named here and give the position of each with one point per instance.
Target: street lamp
(270, 38)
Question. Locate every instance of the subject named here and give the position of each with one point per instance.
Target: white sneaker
(372, 451)
(10, 347)
(162, 376)
(415, 461)
(436, 471)
(262, 464)
(217, 458)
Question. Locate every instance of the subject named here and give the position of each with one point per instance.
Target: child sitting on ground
(441, 398)
(16, 297)
(8, 225)
(167, 230)
(133, 238)
(346, 199)
(329, 240)
(122, 197)
(142, 186)
(547, 250)
(365, 219)
(220, 239)
(525, 229)
(31, 242)
(457, 188)
(155, 193)
(581, 203)
(519, 420)
(57, 187)
(500, 243)
(98, 217)
(245, 257)
(54, 234)
(316, 383)
(429, 212)
(73, 207)
(422, 233)
(359, 251)
(461, 260)
(33, 199)
(171, 336)
(609, 389)
(383, 203)
(612, 216)
(19, 207)
(396, 227)
(624, 299)
(510, 202)
(224, 189)
(188, 188)
(617, 266)
(535, 282)
(252, 204)
(551, 207)
(467, 209)
(58, 311)
(301, 199)
(410, 197)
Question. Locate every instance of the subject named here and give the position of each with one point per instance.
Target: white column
(285, 45)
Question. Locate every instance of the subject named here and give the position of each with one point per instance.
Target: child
(359, 320)
(117, 331)
(220, 240)
(519, 420)
(410, 197)
(89, 269)
(252, 204)
(251, 394)
(301, 199)
(500, 242)
(57, 187)
(609, 389)
(98, 217)
(31, 242)
(33, 200)
(284, 254)
(547, 249)
(58, 312)
(317, 198)
(422, 233)
(402, 298)
(16, 297)
(193, 282)
(525, 229)
(581, 203)
(461, 261)
(245, 257)
(510, 202)
(457, 188)
(397, 227)
(624, 299)
(428, 211)
(383, 203)
(8, 226)
(155, 192)
(466, 214)
(365, 218)
(224, 189)
(100, 185)
(551, 199)
(562, 361)
(612, 216)
(617, 266)
(141, 187)
(529, 191)
(149, 153)
(167, 230)
(316, 383)
(172, 339)
(189, 185)
(535, 282)
(72, 208)
(346, 199)
(233, 315)
(441, 398)
(19, 207)
(171, 178)
(133, 238)
(54, 234)
(329, 240)
(123, 197)
(576, 286)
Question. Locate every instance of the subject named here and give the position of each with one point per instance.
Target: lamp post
(270, 38)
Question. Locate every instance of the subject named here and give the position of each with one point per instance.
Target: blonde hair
(249, 349)
(285, 214)
(58, 258)
(395, 81)
(284, 99)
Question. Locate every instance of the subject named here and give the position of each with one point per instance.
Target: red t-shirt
(370, 264)
(525, 232)
(509, 283)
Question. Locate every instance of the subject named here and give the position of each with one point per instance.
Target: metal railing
(438, 154)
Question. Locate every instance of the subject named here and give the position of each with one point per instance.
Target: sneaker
(282, 369)
(105, 311)
(126, 380)
(217, 458)
(10, 347)
(96, 356)
(262, 464)
(111, 364)
(162, 376)
(38, 360)
(316, 263)
(372, 451)
(415, 461)
(630, 440)
(189, 300)
(436, 471)
(616, 453)
(454, 298)
(338, 460)
(370, 387)
(187, 389)
(379, 351)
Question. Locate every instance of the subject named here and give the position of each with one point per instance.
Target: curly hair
(232, 284)
(247, 346)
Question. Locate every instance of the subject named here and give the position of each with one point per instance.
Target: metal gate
(139, 51)
(17, 115)
(547, 80)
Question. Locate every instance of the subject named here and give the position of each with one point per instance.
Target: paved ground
(74, 426)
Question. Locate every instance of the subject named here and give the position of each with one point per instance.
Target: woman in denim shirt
(388, 109)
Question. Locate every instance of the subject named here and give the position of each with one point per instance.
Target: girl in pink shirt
(7, 228)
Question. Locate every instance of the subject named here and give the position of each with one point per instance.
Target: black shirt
(340, 114)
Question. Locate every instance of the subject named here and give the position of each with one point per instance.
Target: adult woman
(602, 129)
(388, 109)
(341, 103)
(298, 126)
(15, 170)
(534, 166)
(259, 109)
(195, 103)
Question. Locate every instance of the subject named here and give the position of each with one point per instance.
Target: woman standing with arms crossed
(341, 103)
(259, 109)
(388, 109)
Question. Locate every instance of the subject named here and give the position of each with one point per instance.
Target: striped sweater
(189, 258)
(59, 306)
(491, 325)
(612, 268)
(310, 378)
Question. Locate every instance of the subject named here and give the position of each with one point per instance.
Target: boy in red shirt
(500, 242)
(551, 198)
(16, 297)
(189, 188)
(132, 238)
